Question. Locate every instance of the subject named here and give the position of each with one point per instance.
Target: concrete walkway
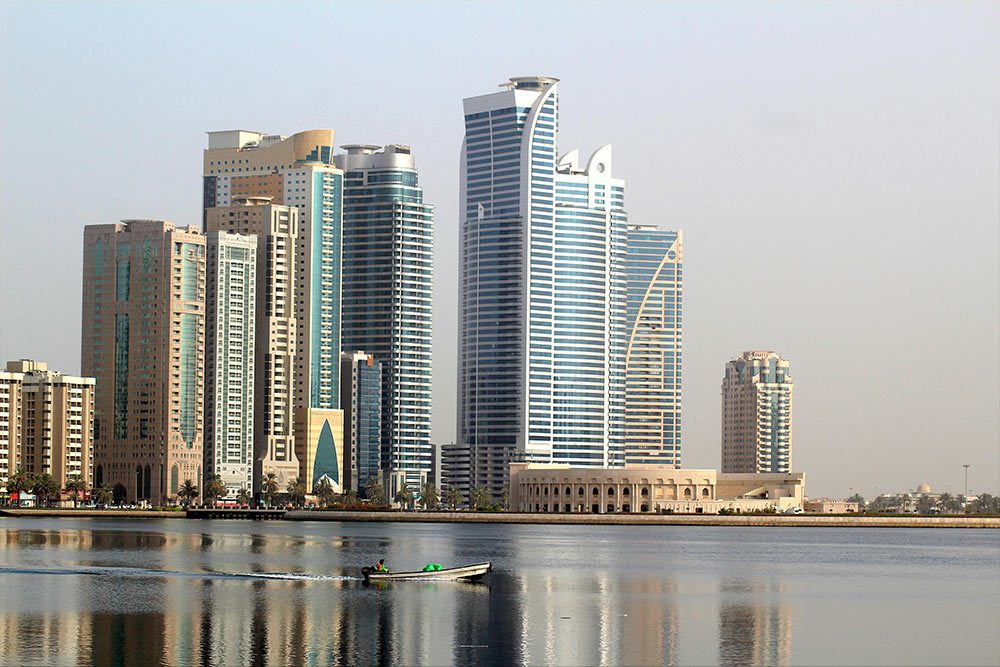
(654, 519)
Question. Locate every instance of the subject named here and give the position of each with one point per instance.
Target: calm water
(239, 592)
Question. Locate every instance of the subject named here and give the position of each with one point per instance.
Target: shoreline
(770, 520)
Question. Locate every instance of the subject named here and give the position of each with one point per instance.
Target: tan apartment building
(56, 422)
(275, 228)
(757, 414)
(143, 339)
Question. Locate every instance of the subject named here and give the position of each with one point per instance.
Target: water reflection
(141, 593)
(754, 628)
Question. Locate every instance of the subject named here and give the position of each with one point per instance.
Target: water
(174, 591)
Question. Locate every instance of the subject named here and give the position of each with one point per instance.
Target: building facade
(230, 317)
(643, 489)
(275, 228)
(143, 340)
(53, 424)
(542, 291)
(361, 377)
(654, 263)
(757, 414)
(10, 425)
(387, 297)
(455, 470)
(296, 171)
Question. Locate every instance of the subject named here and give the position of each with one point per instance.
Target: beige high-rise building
(276, 229)
(10, 425)
(56, 422)
(296, 171)
(757, 414)
(230, 314)
(144, 341)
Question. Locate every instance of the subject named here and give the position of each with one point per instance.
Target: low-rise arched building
(648, 489)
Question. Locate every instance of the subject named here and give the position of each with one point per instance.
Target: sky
(835, 168)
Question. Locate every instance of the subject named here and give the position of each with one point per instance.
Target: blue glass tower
(654, 263)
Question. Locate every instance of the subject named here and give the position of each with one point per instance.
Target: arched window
(545, 491)
(687, 493)
(611, 490)
(555, 491)
(580, 492)
(704, 493)
(596, 492)
(569, 490)
(644, 493)
(626, 491)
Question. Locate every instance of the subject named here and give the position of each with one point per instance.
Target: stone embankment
(799, 520)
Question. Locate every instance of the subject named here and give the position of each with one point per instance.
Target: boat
(465, 573)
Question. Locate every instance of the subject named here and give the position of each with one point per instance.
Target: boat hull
(465, 573)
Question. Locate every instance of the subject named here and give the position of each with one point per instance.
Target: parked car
(795, 510)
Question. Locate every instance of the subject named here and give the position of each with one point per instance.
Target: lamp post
(966, 466)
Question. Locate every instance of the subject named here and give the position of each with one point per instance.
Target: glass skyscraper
(654, 263)
(542, 293)
(387, 300)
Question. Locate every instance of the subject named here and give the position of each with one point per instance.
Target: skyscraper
(230, 314)
(143, 340)
(10, 425)
(275, 228)
(297, 171)
(361, 396)
(653, 370)
(388, 267)
(542, 290)
(757, 414)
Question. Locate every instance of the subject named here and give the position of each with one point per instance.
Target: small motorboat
(465, 573)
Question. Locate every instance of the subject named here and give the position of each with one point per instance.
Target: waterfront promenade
(799, 521)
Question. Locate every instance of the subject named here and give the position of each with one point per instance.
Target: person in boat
(380, 567)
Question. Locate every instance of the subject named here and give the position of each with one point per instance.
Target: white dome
(924, 488)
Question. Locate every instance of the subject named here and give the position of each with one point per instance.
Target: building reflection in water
(754, 628)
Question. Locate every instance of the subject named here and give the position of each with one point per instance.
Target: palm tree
(188, 491)
(323, 490)
(19, 483)
(429, 496)
(505, 496)
(454, 497)
(45, 487)
(104, 495)
(216, 488)
(297, 490)
(243, 497)
(480, 497)
(76, 485)
(269, 487)
(375, 492)
(404, 496)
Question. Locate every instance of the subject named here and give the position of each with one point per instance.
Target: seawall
(90, 514)
(799, 520)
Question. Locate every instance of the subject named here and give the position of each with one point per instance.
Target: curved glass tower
(542, 293)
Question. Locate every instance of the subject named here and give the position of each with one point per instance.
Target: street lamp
(966, 466)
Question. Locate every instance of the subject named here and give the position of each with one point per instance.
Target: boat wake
(145, 572)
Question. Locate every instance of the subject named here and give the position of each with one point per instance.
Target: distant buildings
(455, 470)
(46, 422)
(542, 291)
(143, 339)
(361, 395)
(757, 414)
(297, 171)
(230, 314)
(653, 266)
(387, 299)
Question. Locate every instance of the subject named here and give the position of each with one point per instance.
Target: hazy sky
(835, 168)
